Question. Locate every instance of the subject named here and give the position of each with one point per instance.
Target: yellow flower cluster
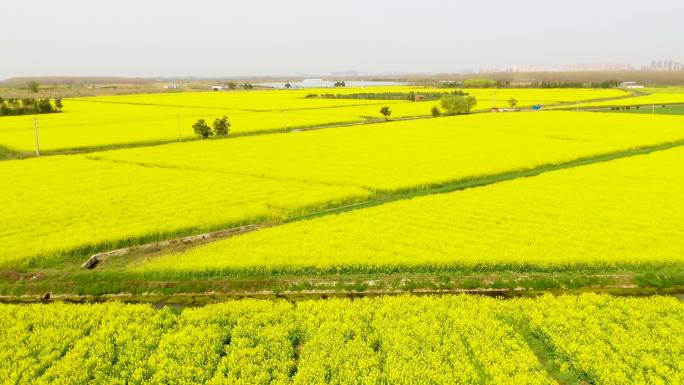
(385, 340)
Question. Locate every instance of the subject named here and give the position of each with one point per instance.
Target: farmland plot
(398, 340)
(107, 121)
(68, 206)
(627, 212)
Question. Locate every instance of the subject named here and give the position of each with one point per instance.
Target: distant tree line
(603, 84)
(29, 106)
(491, 83)
(411, 96)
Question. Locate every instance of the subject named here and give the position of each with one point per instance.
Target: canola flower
(398, 340)
(65, 207)
(626, 212)
(133, 119)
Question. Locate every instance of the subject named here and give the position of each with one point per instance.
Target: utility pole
(178, 124)
(35, 126)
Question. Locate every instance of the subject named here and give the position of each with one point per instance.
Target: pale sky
(269, 37)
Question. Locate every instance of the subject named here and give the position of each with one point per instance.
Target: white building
(630, 85)
(217, 88)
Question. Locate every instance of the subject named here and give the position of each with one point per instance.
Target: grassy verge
(659, 110)
(9, 154)
(110, 283)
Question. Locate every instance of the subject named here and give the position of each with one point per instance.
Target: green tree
(288, 85)
(202, 129)
(457, 104)
(512, 102)
(44, 106)
(340, 84)
(232, 85)
(435, 111)
(58, 103)
(386, 112)
(34, 86)
(479, 83)
(221, 126)
(247, 86)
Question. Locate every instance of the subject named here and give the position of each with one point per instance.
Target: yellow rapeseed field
(624, 212)
(381, 340)
(396, 155)
(81, 203)
(133, 119)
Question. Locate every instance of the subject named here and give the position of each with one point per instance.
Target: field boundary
(245, 109)
(544, 352)
(192, 298)
(409, 193)
(495, 178)
(621, 108)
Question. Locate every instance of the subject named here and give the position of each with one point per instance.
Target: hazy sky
(268, 37)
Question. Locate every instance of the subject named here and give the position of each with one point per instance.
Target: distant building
(172, 86)
(218, 88)
(630, 85)
(316, 83)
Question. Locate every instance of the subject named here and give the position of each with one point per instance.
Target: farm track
(245, 109)
(609, 108)
(383, 197)
(160, 293)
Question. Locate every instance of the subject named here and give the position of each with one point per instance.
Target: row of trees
(451, 104)
(233, 86)
(491, 83)
(220, 127)
(29, 106)
(412, 96)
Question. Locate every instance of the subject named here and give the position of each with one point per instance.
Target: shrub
(221, 126)
(457, 104)
(386, 112)
(202, 129)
